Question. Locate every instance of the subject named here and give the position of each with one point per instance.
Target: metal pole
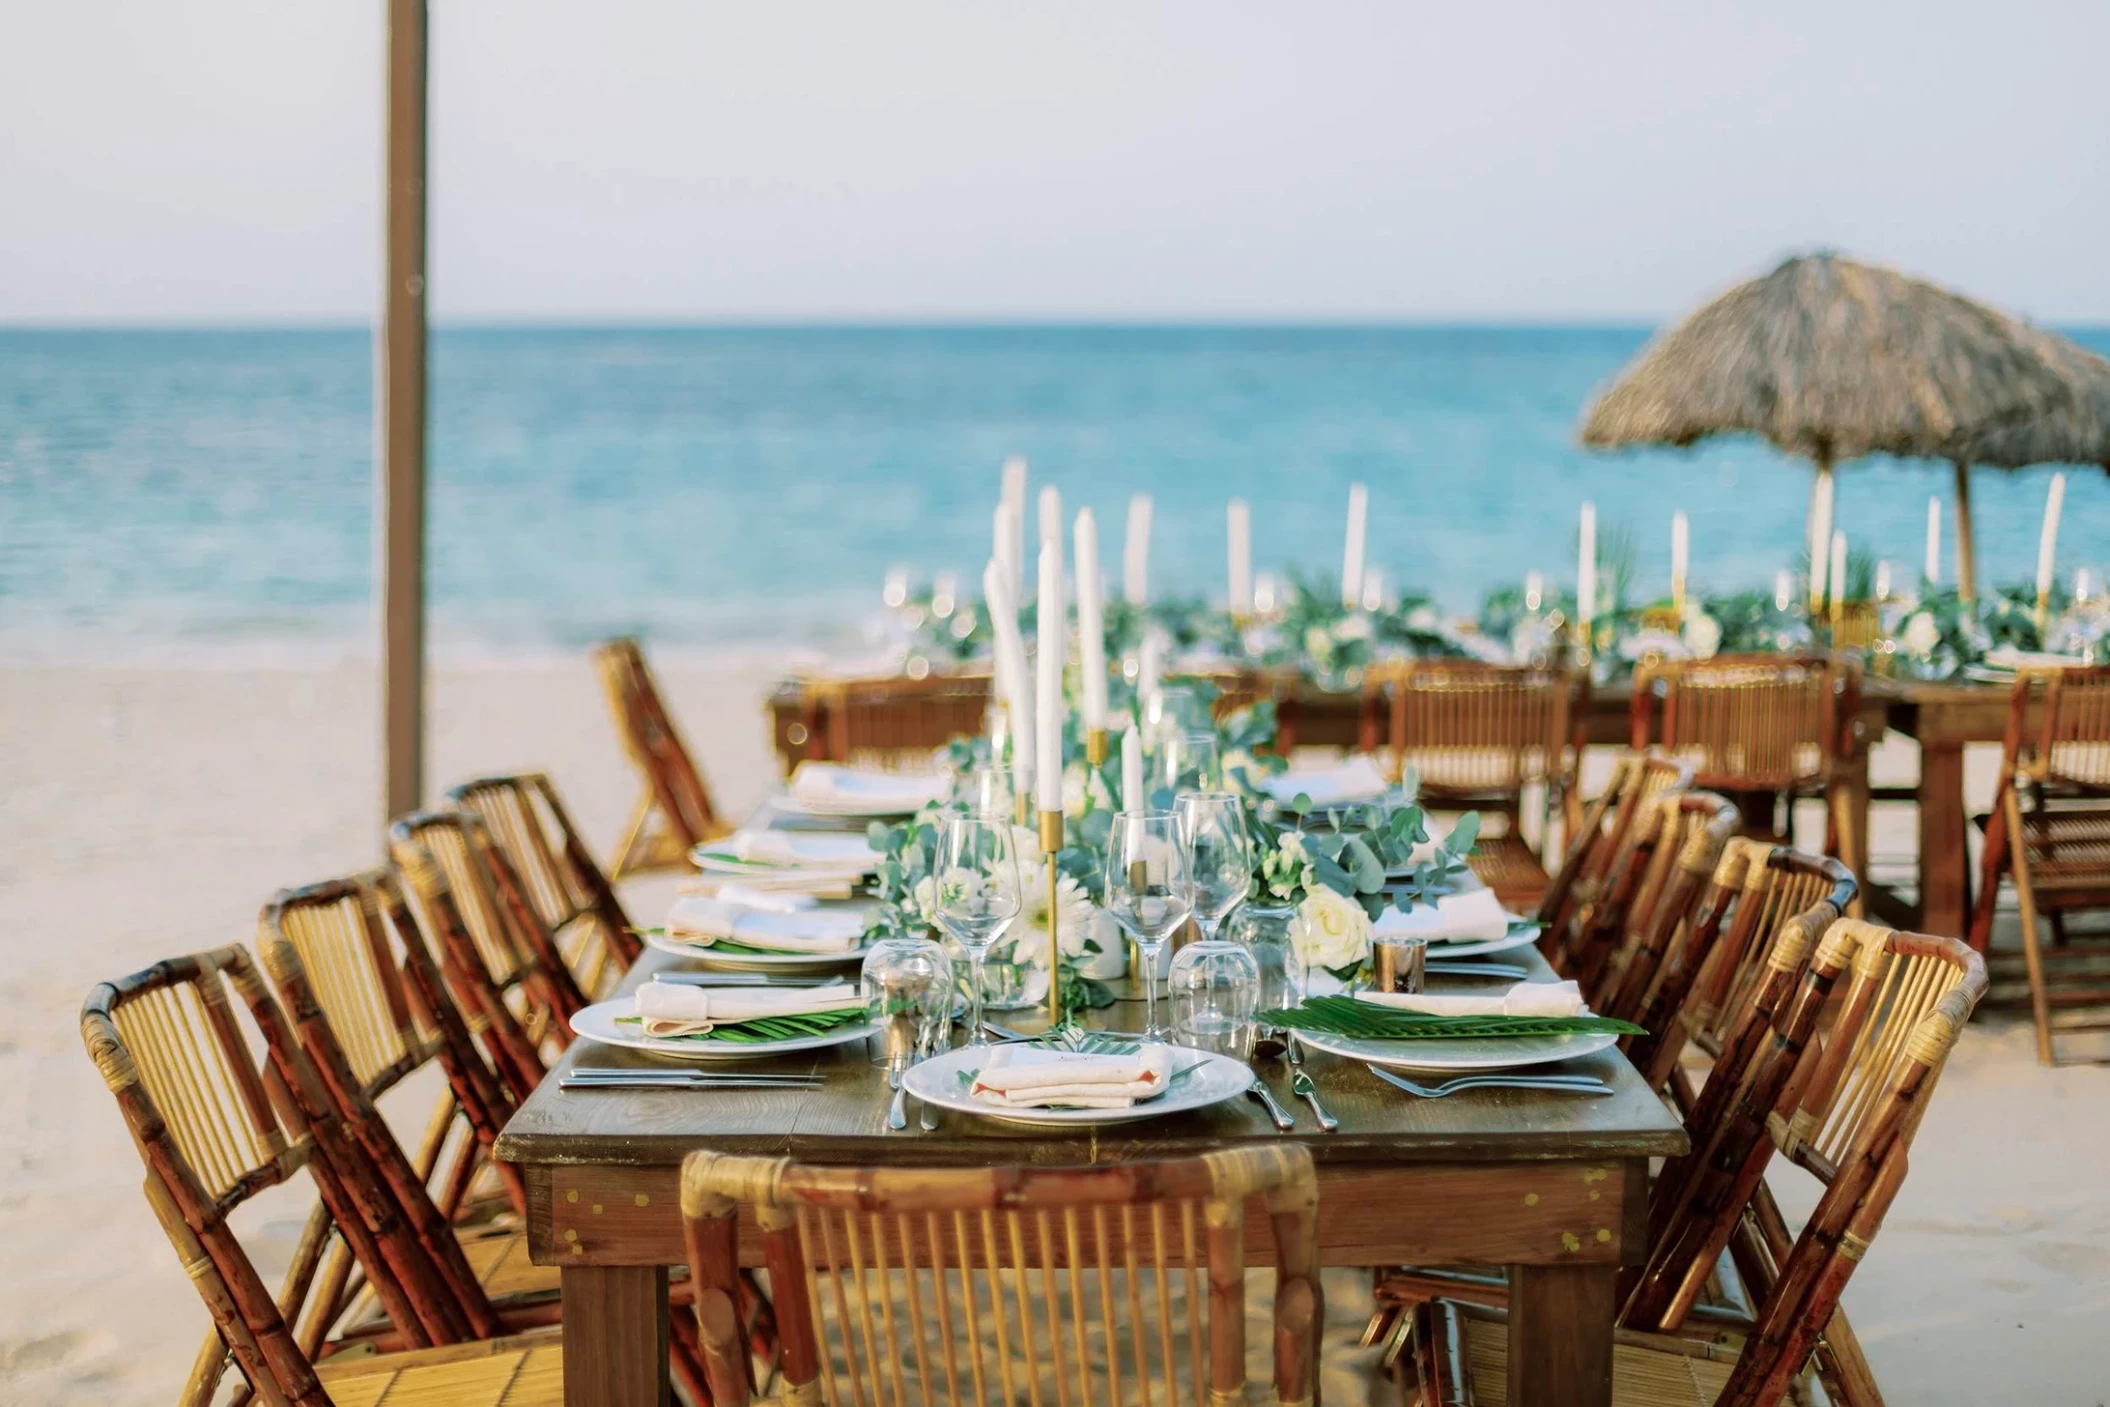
(399, 417)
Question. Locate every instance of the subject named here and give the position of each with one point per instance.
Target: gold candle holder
(1095, 746)
(1050, 845)
(2043, 615)
(1022, 807)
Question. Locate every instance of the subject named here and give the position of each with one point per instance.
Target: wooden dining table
(1551, 1186)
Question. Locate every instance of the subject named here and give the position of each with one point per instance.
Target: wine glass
(976, 896)
(1147, 891)
(1188, 762)
(989, 792)
(1219, 855)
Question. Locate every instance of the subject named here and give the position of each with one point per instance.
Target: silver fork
(1572, 1084)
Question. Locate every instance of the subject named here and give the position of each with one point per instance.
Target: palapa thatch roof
(1831, 358)
(2078, 433)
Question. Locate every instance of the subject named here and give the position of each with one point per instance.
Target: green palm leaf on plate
(1345, 1016)
(764, 1028)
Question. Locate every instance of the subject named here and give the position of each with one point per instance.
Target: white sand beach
(150, 812)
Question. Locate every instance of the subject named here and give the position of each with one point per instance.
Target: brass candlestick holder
(1050, 846)
(1095, 746)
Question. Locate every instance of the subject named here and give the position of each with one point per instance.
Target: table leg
(615, 1336)
(1560, 1335)
(1945, 857)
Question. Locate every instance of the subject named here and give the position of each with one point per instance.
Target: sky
(218, 161)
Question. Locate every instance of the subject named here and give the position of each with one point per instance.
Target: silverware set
(1495, 1079)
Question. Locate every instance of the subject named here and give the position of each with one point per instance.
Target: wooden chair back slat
(1047, 1287)
(1478, 731)
(675, 814)
(517, 950)
(336, 931)
(1748, 722)
(571, 897)
(897, 722)
(1693, 828)
(1593, 885)
(2073, 738)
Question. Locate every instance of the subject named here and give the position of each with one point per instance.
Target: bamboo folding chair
(1688, 841)
(570, 897)
(2049, 834)
(675, 814)
(452, 852)
(1706, 982)
(1846, 1109)
(1598, 951)
(894, 722)
(359, 1019)
(1761, 728)
(1587, 886)
(1009, 1284)
(216, 1123)
(1479, 736)
(370, 1012)
(1719, 986)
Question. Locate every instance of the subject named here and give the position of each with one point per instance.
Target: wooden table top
(844, 1121)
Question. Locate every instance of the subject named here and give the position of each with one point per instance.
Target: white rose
(1703, 634)
(1317, 643)
(1352, 628)
(1330, 930)
(1922, 635)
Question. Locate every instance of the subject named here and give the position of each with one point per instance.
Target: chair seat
(2068, 847)
(1508, 865)
(499, 1256)
(1647, 1371)
(526, 1370)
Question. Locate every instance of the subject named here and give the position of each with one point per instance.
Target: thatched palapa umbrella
(1831, 359)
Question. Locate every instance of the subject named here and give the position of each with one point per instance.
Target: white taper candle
(1049, 646)
(1135, 552)
(1680, 555)
(1837, 585)
(1091, 621)
(1238, 526)
(1586, 569)
(2048, 541)
(1820, 537)
(1132, 798)
(1352, 549)
(1931, 569)
(1013, 682)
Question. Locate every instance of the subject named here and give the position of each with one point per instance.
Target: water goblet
(1219, 854)
(1147, 891)
(976, 896)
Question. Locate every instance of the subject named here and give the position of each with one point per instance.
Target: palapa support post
(1095, 746)
(1050, 846)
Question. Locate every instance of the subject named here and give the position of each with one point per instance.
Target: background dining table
(1554, 1187)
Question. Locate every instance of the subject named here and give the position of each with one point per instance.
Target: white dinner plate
(779, 964)
(937, 1081)
(598, 1023)
(1522, 933)
(1463, 1055)
(822, 855)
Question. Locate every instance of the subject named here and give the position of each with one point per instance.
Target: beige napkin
(1031, 1077)
(701, 921)
(839, 855)
(677, 1009)
(1524, 999)
(1473, 916)
(857, 791)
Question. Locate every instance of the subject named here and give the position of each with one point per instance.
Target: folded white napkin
(828, 786)
(767, 901)
(1353, 781)
(676, 1009)
(840, 854)
(1032, 1077)
(694, 919)
(1475, 915)
(1524, 999)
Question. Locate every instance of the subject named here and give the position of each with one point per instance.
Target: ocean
(205, 494)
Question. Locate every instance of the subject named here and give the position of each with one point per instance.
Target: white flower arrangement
(1330, 931)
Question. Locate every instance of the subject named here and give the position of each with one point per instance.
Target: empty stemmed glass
(1148, 891)
(976, 896)
(1188, 762)
(1219, 854)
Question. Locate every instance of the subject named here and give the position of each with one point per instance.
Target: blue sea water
(195, 492)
